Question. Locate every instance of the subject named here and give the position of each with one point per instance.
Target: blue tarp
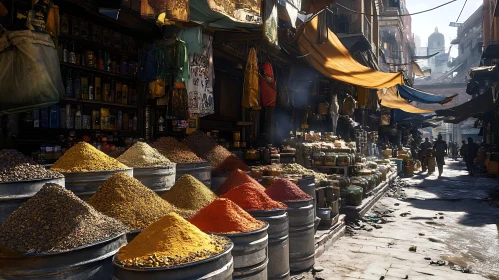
(399, 116)
(412, 94)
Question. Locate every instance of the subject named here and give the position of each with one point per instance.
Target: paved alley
(451, 220)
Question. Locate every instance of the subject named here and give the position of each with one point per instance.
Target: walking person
(463, 151)
(440, 148)
(424, 153)
(471, 153)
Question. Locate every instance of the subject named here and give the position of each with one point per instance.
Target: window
(394, 3)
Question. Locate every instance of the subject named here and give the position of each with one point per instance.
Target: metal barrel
(15, 194)
(219, 267)
(250, 254)
(307, 185)
(159, 179)
(217, 179)
(278, 267)
(85, 184)
(198, 170)
(301, 234)
(91, 262)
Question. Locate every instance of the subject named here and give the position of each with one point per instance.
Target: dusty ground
(451, 220)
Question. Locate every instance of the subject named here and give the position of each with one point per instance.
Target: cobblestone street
(451, 220)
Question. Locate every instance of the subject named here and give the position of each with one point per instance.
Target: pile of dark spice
(221, 159)
(15, 167)
(284, 190)
(55, 220)
(175, 150)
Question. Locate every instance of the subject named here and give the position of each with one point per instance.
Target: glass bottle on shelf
(84, 87)
(78, 118)
(98, 88)
(65, 52)
(106, 93)
(135, 122)
(119, 93)
(77, 86)
(124, 93)
(91, 88)
(161, 124)
(72, 54)
(69, 84)
(36, 118)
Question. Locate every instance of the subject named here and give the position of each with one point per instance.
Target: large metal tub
(15, 194)
(159, 179)
(307, 185)
(219, 267)
(250, 254)
(301, 234)
(278, 267)
(85, 184)
(198, 170)
(91, 262)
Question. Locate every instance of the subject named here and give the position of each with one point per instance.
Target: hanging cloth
(251, 95)
(268, 87)
(200, 82)
(193, 38)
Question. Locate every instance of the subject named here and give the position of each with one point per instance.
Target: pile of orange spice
(223, 216)
(235, 179)
(251, 197)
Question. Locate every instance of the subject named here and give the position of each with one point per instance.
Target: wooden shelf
(99, 47)
(95, 102)
(65, 130)
(93, 70)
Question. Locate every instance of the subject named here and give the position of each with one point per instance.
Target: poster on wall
(239, 10)
(165, 11)
(270, 22)
(200, 83)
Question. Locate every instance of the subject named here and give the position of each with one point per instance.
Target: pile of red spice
(230, 164)
(235, 179)
(223, 216)
(285, 190)
(251, 197)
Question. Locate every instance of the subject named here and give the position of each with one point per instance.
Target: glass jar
(330, 159)
(318, 158)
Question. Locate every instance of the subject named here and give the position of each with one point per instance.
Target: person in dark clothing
(424, 153)
(471, 153)
(463, 150)
(440, 148)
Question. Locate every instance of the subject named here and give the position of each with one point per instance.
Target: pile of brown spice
(126, 199)
(15, 167)
(142, 155)
(55, 220)
(168, 242)
(189, 193)
(175, 150)
(221, 159)
(84, 157)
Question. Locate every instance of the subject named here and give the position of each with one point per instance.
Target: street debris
(413, 248)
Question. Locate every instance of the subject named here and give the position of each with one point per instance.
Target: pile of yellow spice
(168, 242)
(142, 155)
(189, 194)
(84, 157)
(126, 199)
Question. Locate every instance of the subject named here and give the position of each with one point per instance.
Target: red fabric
(268, 87)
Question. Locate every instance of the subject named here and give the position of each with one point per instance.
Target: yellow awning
(333, 60)
(390, 99)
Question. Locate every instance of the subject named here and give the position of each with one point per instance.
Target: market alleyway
(451, 219)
